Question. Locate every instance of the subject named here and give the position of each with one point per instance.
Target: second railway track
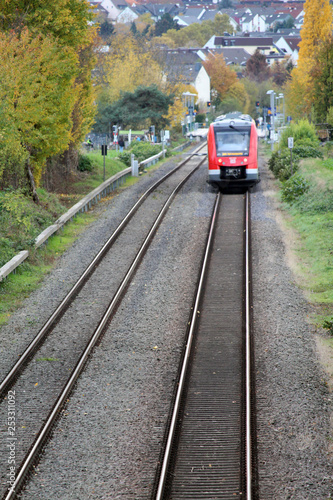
(37, 389)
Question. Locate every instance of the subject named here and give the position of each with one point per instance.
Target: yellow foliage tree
(316, 29)
(37, 95)
(127, 66)
(177, 110)
(196, 34)
(222, 78)
(238, 92)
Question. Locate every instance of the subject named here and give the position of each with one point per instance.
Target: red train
(233, 151)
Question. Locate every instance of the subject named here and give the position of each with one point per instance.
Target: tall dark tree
(257, 67)
(164, 24)
(279, 73)
(134, 29)
(106, 30)
(145, 104)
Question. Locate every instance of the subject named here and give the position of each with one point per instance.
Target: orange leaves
(222, 78)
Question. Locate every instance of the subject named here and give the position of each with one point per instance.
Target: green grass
(22, 221)
(311, 218)
(88, 181)
(28, 277)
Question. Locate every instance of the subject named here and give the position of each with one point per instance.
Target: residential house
(109, 6)
(250, 44)
(289, 45)
(158, 10)
(189, 16)
(128, 15)
(253, 22)
(232, 56)
(185, 65)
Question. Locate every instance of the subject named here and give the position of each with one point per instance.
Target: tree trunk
(31, 182)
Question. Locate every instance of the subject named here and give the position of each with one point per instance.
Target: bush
(144, 150)
(293, 188)
(279, 164)
(141, 151)
(85, 164)
(125, 157)
(303, 132)
(307, 152)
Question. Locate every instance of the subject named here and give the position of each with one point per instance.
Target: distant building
(185, 65)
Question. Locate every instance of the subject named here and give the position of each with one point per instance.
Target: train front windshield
(232, 141)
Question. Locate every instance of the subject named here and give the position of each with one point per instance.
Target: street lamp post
(189, 104)
(271, 93)
(283, 107)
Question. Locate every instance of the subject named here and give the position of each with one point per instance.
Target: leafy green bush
(85, 164)
(307, 152)
(303, 132)
(144, 150)
(125, 157)
(21, 220)
(294, 187)
(279, 164)
(141, 151)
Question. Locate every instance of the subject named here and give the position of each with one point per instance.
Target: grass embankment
(311, 217)
(21, 221)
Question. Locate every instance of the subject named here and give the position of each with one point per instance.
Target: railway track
(208, 450)
(40, 391)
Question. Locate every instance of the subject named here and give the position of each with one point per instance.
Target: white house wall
(127, 16)
(202, 86)
(112, 10)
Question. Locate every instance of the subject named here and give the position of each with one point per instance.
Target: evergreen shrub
(85, 164)
(294, 187)
(308, 152)
(279, 164)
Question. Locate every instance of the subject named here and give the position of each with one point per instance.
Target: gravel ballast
(106, 444)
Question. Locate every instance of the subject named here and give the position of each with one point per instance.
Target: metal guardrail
(82, 206)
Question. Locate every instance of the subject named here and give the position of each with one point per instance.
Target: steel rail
(248, 446)
(42, 435)
(181, 383)
(56, 315)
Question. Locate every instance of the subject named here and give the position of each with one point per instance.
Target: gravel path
(106, 444)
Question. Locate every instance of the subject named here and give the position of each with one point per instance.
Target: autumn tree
(280, 73)
(237, 96)
(196, 34)
(128, 65)
(257, 67)
(177, 110)
(37, 95)
(65, 25)
(222, 78)
(322, 76)
(316, 30)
